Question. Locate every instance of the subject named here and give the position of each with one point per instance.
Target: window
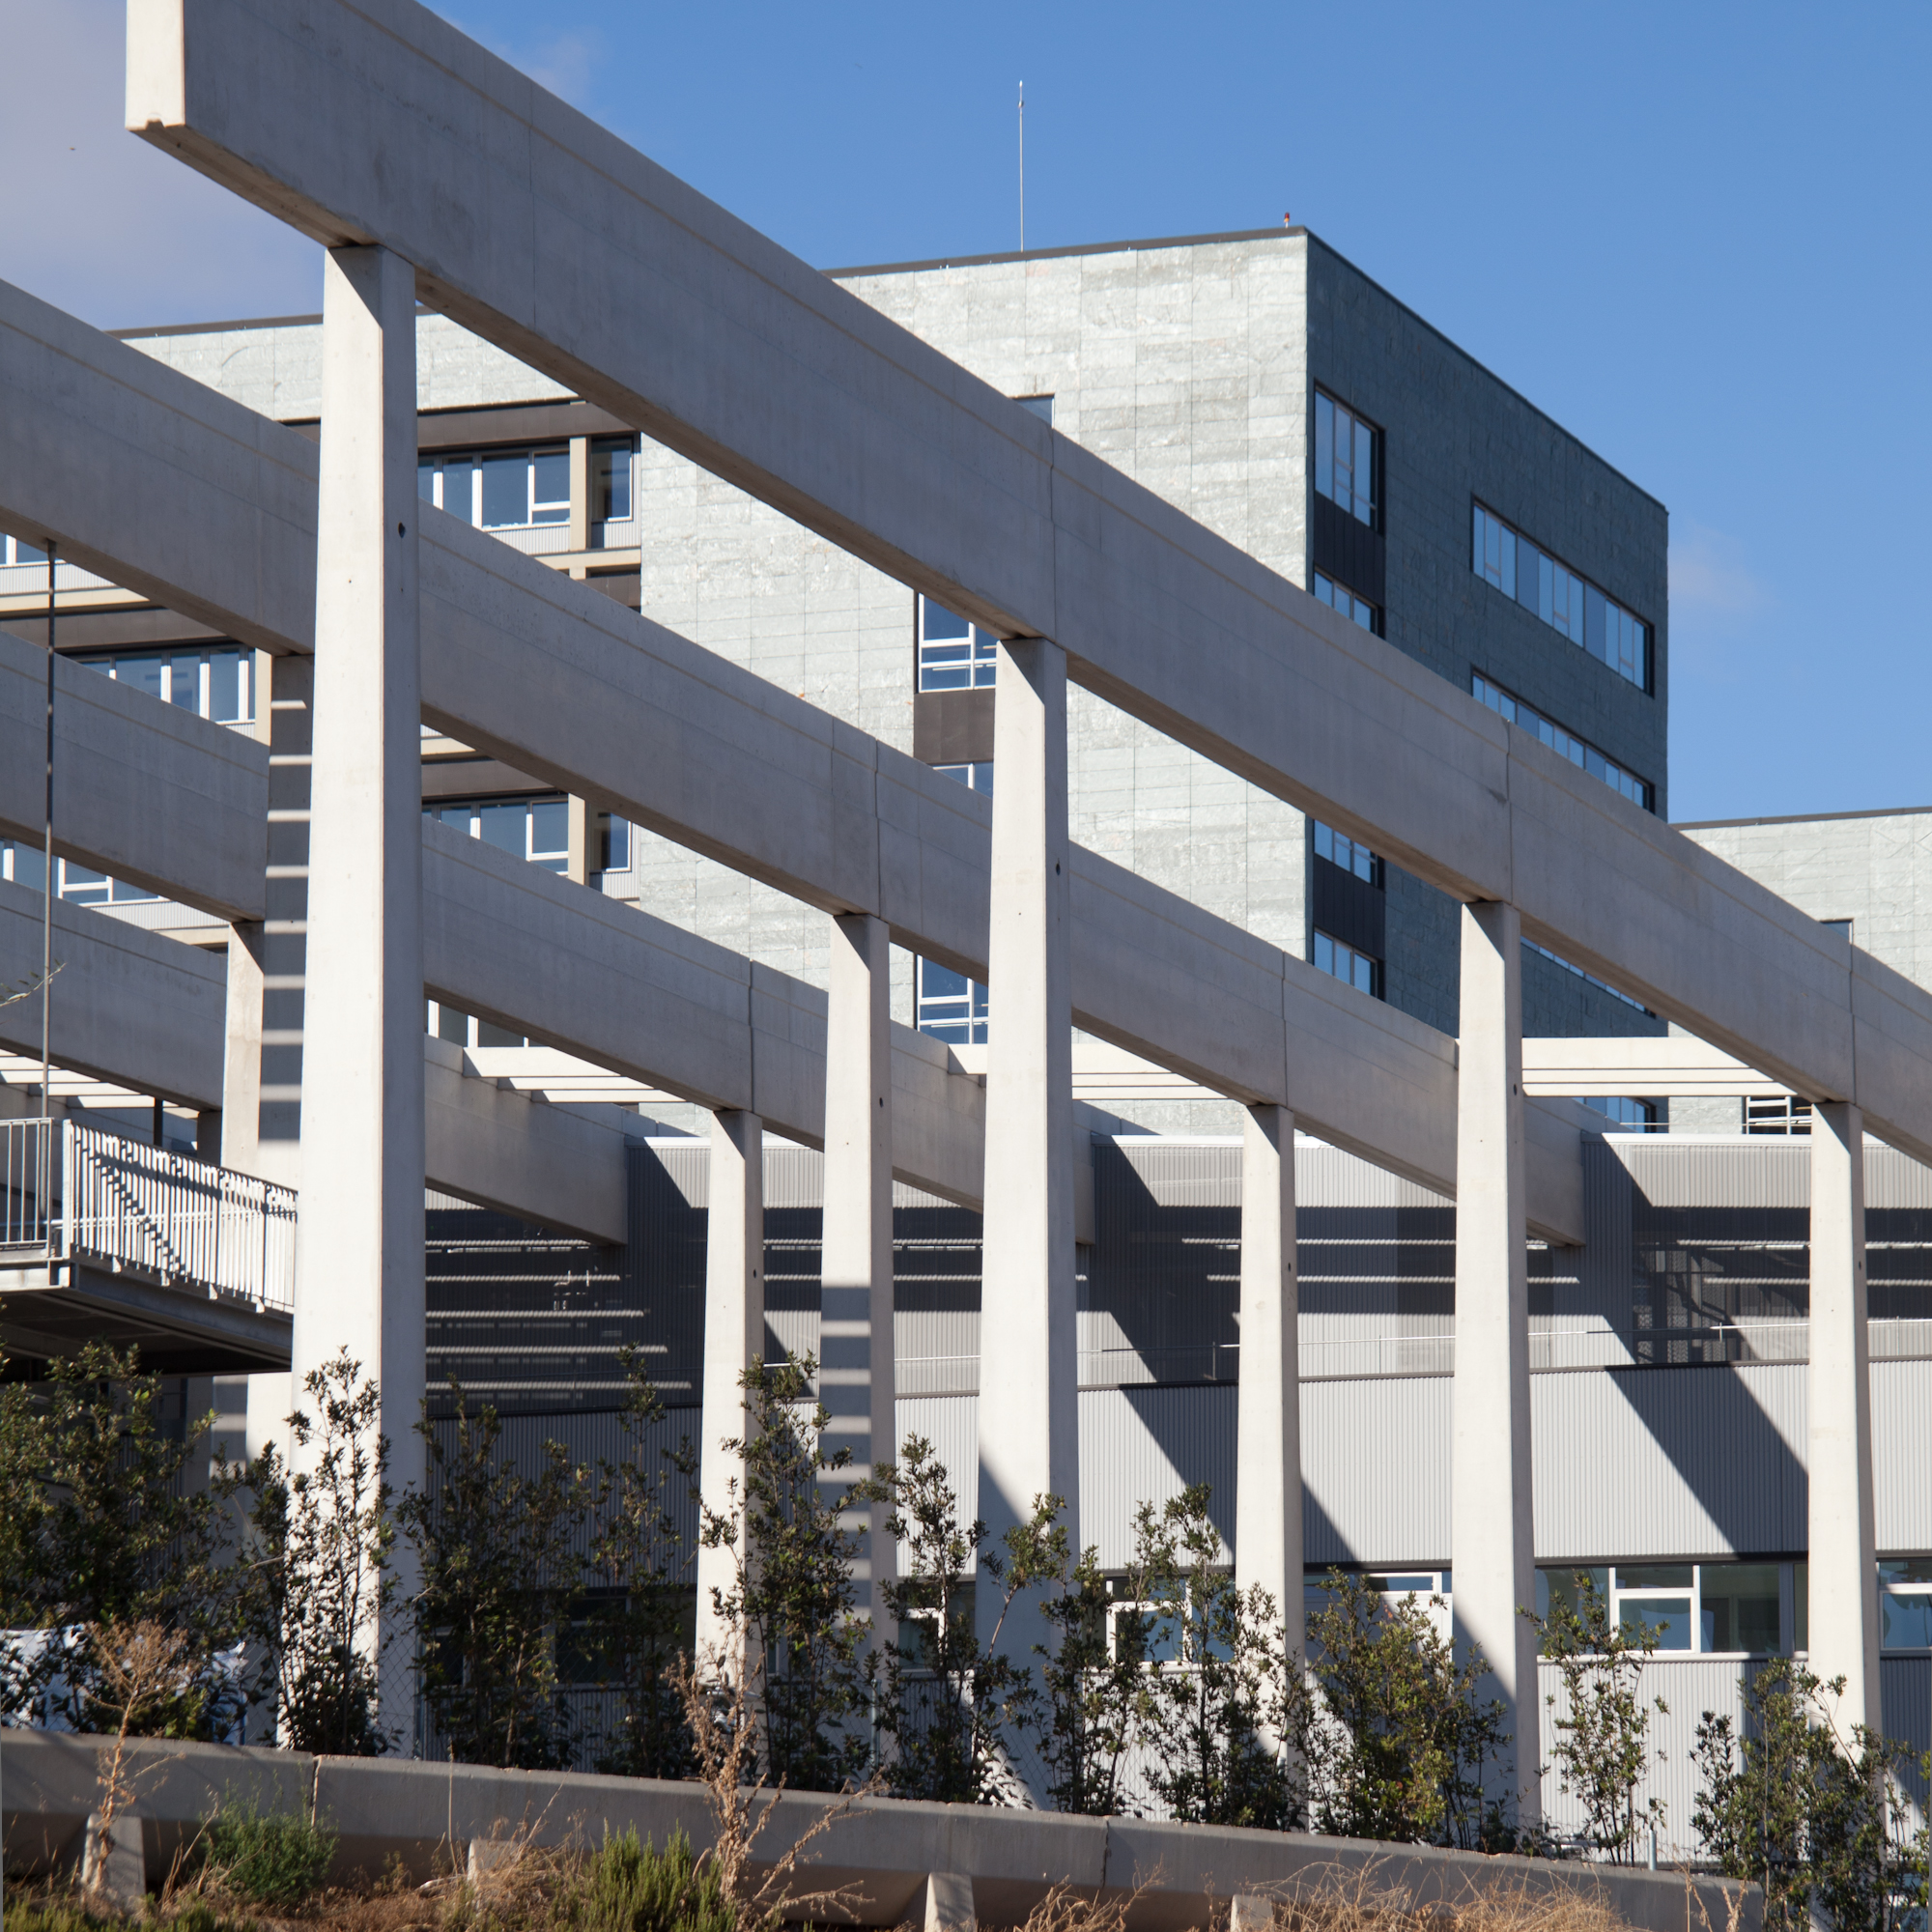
(532, 828)
(1344, 459)
(951, 1007)
(613, 844)
(1506, 559)
(1905, 1603)
(1638, 1116)
(954, 654)
(1588, 979)
(1776, 1114)
(217, 683)
(1339, 597)
(25, 863)
(1350, 854)
(611, 460)
(12, 550)
(1343, 962)
(1579, 752)
(1722, 1608)
(1038, 405)
(501, 489)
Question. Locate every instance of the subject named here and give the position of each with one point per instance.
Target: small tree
(791, 1595)
(640, 1558)
(949, 1696)
(500, 1578)
(1819, 1822)
(1083, 1719)
(100, 1529)
(319, 1590)
(1225, 1704)
(1400, 1743)
(1603, 1720)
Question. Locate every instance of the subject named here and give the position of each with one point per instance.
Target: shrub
(267, 1858)
(632, 1888)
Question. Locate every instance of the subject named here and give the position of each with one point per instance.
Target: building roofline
(1800, 818)
(215, 328)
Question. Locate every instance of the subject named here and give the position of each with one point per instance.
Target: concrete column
(1267, 1443)
(579, 497)
(1493, 1542)
(241, 1049)
(1029, 1423)
(359, 1280)
(1843, 1554)
(856, 1380)
(577, 848)
(734, 1336)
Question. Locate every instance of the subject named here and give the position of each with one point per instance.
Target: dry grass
(1366, 1900)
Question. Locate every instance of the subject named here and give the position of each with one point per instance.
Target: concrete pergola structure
(896, 453)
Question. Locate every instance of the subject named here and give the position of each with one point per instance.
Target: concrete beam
(130, 1006)
(142, 790)
(1651, 1069)
(543, 232)
(493, 1145)
(529, 951)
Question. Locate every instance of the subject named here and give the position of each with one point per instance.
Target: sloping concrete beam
(594, 264)
(499, 1149)
(1656, 1070)
(142, 790)
(135, 1008)
(529, 951)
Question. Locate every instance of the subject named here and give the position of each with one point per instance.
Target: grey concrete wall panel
(1695, 1462)
(143, 790)
(597, 268)
(137, 1008)
(492, 1146)
(155, 481)
(883, 1848)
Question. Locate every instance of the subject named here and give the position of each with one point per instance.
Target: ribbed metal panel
(1374, 1462)
(1706, 1462)
(951, 1425)
(1767, 1170)
(1146, 1445)
(1901, 1455)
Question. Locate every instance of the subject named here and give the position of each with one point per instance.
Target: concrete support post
(1267, 1443)
(579, 497)
(1029, 1421)
(241, 1050)
(1843, 1553)
(734, 1336)
(856, 1378)
(577, 861)
(1492, 1541)
(360, 1281)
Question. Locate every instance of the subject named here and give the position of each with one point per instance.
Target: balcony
(104, 1240)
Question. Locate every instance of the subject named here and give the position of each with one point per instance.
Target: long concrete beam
(132, 1006)
(566, 684)
(543, 232)
(142, 790)
(1674, 1068)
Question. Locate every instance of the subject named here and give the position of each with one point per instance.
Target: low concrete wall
(426, 1814)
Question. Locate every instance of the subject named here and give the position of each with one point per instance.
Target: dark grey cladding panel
(952, 727)
(1347, 549)
(1349, 909)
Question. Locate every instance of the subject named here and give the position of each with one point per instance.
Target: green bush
(52, 1914)
(267, 1858)
(631, 1888)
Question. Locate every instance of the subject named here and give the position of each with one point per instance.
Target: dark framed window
(1348, 460)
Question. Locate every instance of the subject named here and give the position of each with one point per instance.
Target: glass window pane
(459, 488)
(426, 478)
(1364, 473)
(226, 698)
(25, 552)
(142, 673)
(939, 622)
(611, 481)
(506, 490)
(550, 486)
(1668, 1616)
(1324, 445)
(1905, 1622)
(184, 683)
(940, 982)
(496, 1036)
(30, 865)
(1653, 1576)
(506, 827)
(550, 827)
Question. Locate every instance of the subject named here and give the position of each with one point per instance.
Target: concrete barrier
(884, 1850)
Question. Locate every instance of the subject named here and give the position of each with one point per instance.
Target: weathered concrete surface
(894, 452)
(427, 1814)
(1673, 1069)
(143, 790)
(135, 1008)
(500, 1148)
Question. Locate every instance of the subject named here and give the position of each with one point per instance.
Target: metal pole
(1022, 167)
(47, 855)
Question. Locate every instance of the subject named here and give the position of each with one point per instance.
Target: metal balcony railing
(75, 1193)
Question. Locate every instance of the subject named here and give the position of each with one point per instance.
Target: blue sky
(1695, 235)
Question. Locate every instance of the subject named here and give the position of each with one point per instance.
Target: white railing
(186, 1221)
(27, 1174)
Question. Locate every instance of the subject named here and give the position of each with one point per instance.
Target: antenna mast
(1022, 167)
